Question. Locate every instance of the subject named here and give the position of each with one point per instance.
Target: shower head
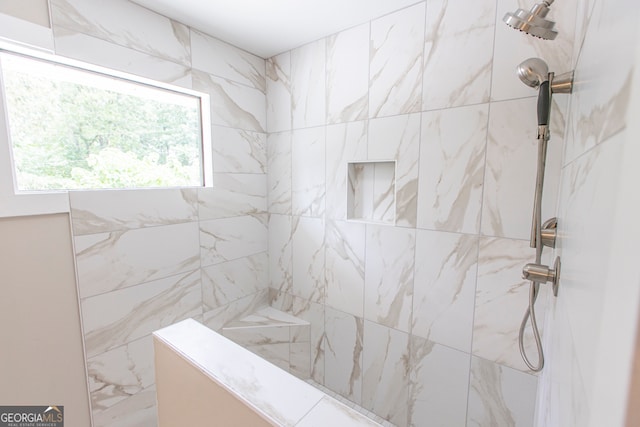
(533, 72)
(533, 22)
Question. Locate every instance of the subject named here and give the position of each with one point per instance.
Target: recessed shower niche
(371, 191)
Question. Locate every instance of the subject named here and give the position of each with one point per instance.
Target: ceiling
(268, 27)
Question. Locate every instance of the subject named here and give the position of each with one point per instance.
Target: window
(70, 125)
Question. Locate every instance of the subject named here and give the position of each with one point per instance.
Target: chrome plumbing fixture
(534, 72)
(533, 22)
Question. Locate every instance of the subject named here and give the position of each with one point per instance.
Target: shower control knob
(542, 274)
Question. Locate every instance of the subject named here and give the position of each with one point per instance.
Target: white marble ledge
(278, 397)
(266, 317)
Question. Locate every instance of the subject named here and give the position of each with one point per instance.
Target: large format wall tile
(232, 195)
(388, 276)
(385, 381)
(279, 173)
(228, 61)
(308, 85)
(395, 70)
(119, 373)
(232, 238)
(502, 297)
(93, 50)
(343, 354)
(438, 385)
(500, 396)
(345, 142)
(238, 151)
(345, 266)
(510, 174)
(232, 104)
(279, 92)
(115, 318)
(127, 24)
(104, 211)
(444, 288)
(347, 75)
(307, 172)
(308, 257)
(229, 281)
(134, 411)
(452, 155)
(398, 138)
(463, 78)
(110, 261)
(280, 253)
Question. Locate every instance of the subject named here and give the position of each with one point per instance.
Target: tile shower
(416, 322)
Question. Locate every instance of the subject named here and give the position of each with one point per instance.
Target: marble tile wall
(419, 320)
(150, 258)
(596, 140)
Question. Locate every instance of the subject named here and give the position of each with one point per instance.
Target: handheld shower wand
(534, 72)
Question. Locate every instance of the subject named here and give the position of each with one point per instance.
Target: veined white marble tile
(119, 317)
(395, 70)
(599, 104)
(258, 335)
(512, 47)
(371, 192)
(345, 266)
(267, 317)
(589, 191)
(502, 297)
(232, 195)
(279, 173)
(314, 314)
(444, 288)
(300, 359)
(500, 396)
(232, 104)
(398, 138)
(229, 281)
(348, 75)
(584, 12)
(224, 60)
(307, 172)
(279, 92)
(388, 276)
(438, 385)
(331, 412)
(238, 151)
(93, 50)
(343, 354)
(280, 253)
(217, 318)
(135, 411)
(232, 238)
(308, 257)
(464, 77)
(276, 354)
(127, 24)
(510, 173)
(385, 382)
(110, 261)
(308, 85)
(114, 210)
(120, 373)
(452, 155)
(345, 142)
(282, 397)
